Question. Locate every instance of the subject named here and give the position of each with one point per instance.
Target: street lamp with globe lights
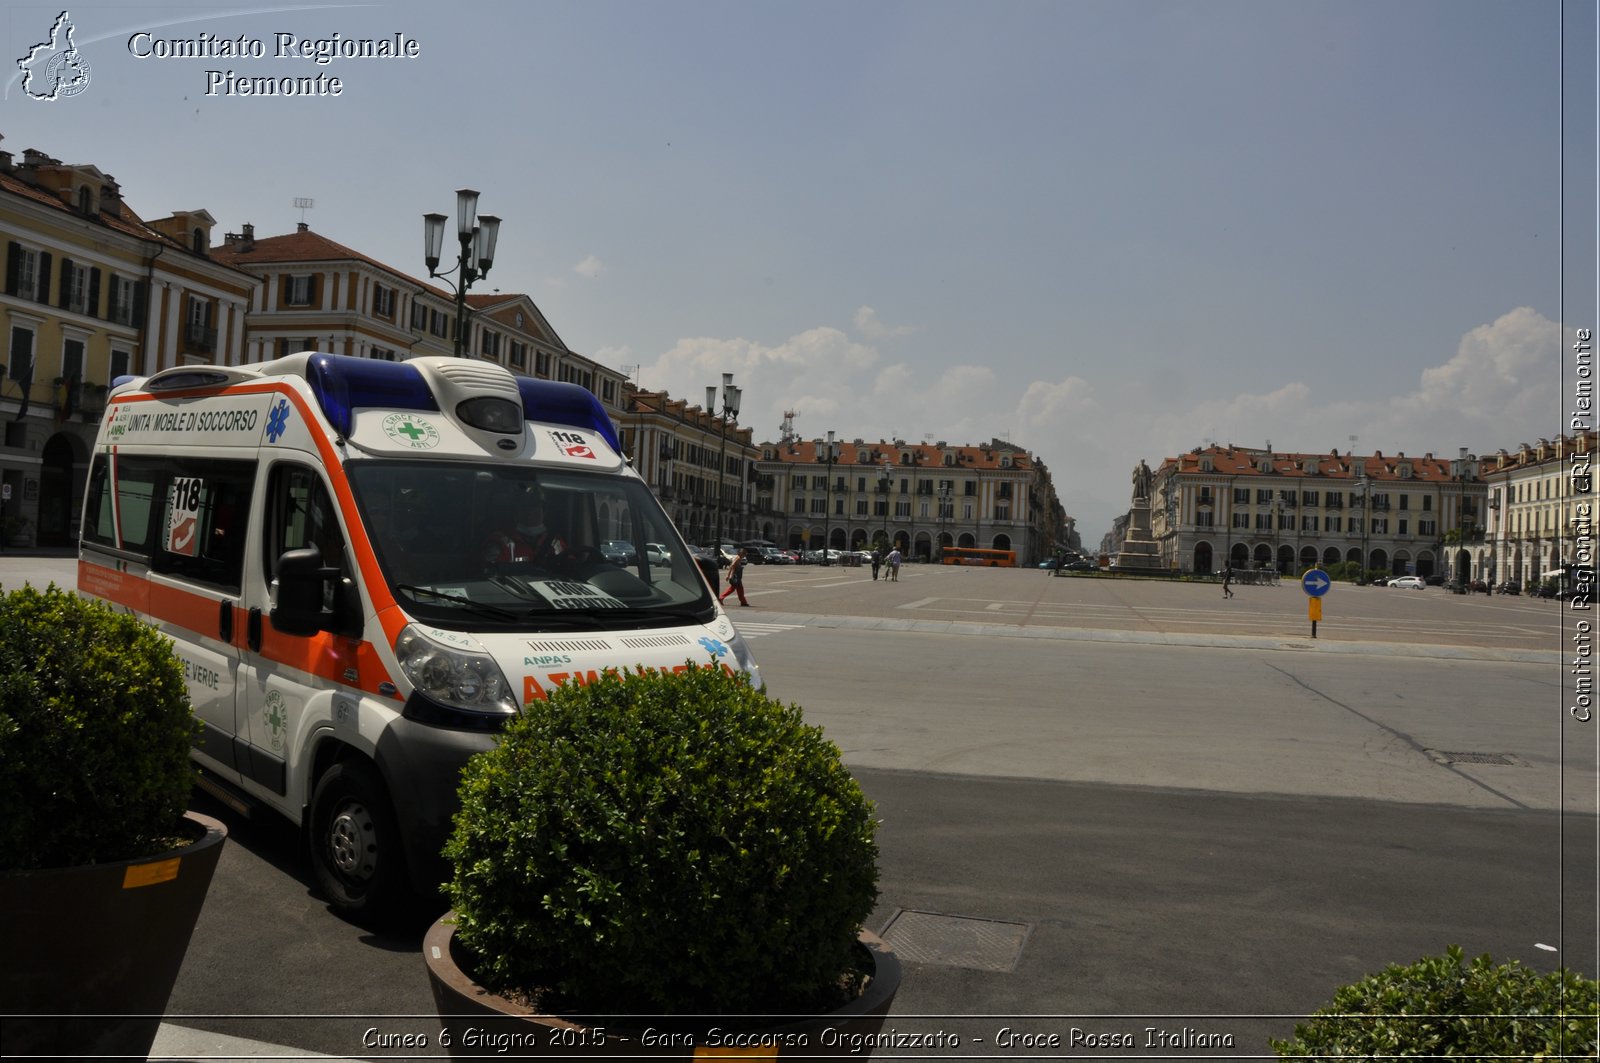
(827, 451)
(478, 237)
(884, 481)
(728, 415)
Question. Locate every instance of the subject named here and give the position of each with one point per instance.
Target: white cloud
(1044, 402)
(867, 323)
(590, 267)
(1499, 388)
(1498, 367)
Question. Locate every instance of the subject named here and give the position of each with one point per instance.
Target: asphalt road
(1107, 806)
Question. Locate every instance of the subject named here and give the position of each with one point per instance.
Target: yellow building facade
(91, 292)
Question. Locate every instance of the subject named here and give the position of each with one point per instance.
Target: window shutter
(66, 283)
(94, 292)
(140, 293)
(13, 266)
(111, 296)
(42, 292)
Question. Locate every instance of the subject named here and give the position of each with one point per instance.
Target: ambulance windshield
(491, 547)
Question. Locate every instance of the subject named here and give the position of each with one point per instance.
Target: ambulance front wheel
(355, 843)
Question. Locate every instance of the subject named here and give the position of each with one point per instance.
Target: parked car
(771, 555)
(1410, 583)
(657, 554)
(619, 551)
(1434, 580)
(705, 553)
(1510, 586)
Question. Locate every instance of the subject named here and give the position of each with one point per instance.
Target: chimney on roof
(302, 227)
(111, 197)
(241, 241)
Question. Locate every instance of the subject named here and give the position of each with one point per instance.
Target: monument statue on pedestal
(1139, 553)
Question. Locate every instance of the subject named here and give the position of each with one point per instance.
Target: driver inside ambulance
(524, 536)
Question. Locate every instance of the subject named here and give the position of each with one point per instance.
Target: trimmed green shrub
(1434, 1007)
(95, 730)
(663, 843)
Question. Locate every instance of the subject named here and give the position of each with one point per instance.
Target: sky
(1105, 230)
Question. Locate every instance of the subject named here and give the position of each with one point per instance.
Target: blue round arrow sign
(1315, 583)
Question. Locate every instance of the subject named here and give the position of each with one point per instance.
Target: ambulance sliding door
(197, 551)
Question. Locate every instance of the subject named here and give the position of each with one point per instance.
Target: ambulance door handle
(225, 621)
(253, 630)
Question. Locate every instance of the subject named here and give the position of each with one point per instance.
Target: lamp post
(884, 480)
(1277, 519)
(1364, 488)
(729, 415)
(478, 237)
(944, 512)
(828, 452)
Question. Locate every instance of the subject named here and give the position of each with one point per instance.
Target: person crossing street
(736, 579)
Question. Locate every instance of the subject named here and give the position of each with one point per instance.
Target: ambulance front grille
(570, 646)
(655, 642)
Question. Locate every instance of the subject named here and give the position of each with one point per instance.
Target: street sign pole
(1315, 583)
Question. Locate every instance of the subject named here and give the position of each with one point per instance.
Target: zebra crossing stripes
(755, 629)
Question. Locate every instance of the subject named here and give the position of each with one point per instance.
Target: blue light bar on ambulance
(557, 402)
(344, 384)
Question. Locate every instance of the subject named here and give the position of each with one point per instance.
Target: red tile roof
(1246, 461)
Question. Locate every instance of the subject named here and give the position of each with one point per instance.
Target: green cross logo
(414, 432)
(276, 718)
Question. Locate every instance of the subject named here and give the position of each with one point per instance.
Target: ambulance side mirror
(708, 569)
(297, 609)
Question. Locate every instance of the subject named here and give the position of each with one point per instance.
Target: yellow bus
(973, 555)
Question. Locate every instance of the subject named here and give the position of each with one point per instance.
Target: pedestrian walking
(877, 562)
(736, 579)
(1227, 578)
(894, 565)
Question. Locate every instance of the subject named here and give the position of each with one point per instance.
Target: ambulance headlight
(454, 676)
(747, 662)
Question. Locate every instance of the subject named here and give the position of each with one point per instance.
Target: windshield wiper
(485, 610)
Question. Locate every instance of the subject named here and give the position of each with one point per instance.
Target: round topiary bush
(95, 730)
(1436, 1008)
(663, 843)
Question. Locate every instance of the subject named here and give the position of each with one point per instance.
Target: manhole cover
(1445, 757)
(956, 941)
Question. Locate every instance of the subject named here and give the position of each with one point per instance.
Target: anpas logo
(55, 69)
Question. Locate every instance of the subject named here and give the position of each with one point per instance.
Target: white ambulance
(367, 568)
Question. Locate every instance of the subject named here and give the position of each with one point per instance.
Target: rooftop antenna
(303, 204)
(629, 371)
(1352, 450)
